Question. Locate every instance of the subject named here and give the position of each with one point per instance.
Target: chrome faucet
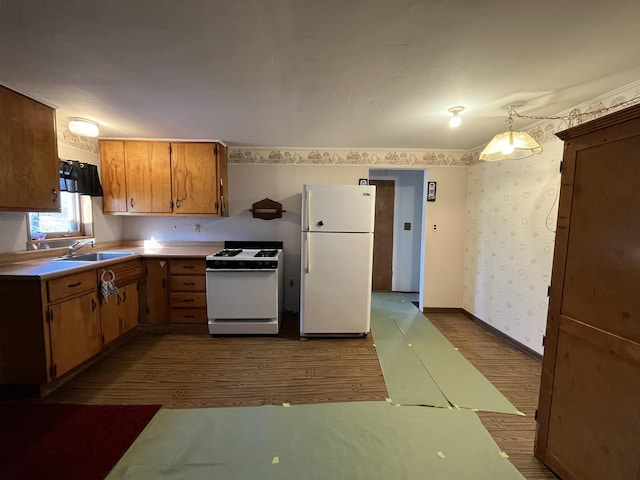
(74, 247)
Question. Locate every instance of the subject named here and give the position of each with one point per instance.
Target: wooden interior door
(589, 415)
(383, 235)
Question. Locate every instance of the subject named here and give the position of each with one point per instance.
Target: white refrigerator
(336, 259)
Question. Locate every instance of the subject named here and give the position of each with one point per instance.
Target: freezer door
(338, 208)
(336, 283)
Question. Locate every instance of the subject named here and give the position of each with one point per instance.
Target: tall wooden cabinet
(589, 408)
(163, 178)
(29, 178)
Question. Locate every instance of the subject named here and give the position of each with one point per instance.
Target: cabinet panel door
(28, 155)
(155, 299)
(194, 178)
(75, 332)
(110, 317)
(129, 307)
(112, 169)
(148, 172)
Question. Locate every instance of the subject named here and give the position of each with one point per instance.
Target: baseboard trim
(503, 336)
(451, 310)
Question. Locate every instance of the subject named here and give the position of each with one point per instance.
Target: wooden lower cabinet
(187, 291)
(75, 332)
(120, 312)
(154, 304)
(174, 291)
(51, 327)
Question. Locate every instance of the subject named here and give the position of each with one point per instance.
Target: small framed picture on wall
(431, 191)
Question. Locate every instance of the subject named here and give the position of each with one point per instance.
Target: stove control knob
(320, 223)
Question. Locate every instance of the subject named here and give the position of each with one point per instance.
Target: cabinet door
(195, 184)
(224, 180)
(110, 317)
(148, 172)
(74, 331)
(28, 155)
(155, 299)
(112, 170)
(130, 310)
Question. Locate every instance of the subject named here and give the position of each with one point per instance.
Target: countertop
(44, 269)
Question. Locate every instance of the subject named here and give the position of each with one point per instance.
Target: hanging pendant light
(510, 145)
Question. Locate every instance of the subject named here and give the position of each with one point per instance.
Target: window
(75, 219)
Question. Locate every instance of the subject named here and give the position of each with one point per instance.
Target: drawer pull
(188, 283)
(188, 267)
(72, 285)
(188, 300)
(189, 316)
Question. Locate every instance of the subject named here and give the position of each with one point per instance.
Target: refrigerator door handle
(308, 205)
(308, 255)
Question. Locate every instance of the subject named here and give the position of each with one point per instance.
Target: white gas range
(244, 283)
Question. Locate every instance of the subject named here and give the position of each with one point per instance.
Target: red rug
(68, 442)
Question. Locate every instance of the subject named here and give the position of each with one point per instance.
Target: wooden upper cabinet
(163, 178)
(195, 186)
(29, 178)
(113, 176)
(148, 171)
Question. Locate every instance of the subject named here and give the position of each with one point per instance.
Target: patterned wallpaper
(509, 239)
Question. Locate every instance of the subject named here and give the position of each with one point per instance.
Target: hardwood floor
(515, 374)
(194, 370)
(180, 370)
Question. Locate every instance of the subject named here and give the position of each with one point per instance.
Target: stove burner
(227, 253)
(266, 253)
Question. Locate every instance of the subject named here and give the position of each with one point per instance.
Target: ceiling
(316, 73)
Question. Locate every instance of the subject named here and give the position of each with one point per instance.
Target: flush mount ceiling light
(510, 144)
(455, 119)
(83, 127)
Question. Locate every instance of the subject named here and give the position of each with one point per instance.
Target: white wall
(249, 183)
(444, 245)
(406, 243)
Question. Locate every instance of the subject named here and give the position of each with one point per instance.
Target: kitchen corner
(58, 318)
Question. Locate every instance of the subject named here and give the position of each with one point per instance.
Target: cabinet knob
(54, 194)
(131, 203)
(177, 203)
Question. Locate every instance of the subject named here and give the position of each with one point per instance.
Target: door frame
(423, 172)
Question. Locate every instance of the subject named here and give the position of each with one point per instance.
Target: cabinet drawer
(188, 315)
(71, 285)
(188, 300)
(125, 272)
(187, 283)
(189, 266)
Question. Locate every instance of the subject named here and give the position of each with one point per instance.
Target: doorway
(383, 236)
(403, 211)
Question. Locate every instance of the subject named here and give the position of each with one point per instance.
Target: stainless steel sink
(94, 257)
